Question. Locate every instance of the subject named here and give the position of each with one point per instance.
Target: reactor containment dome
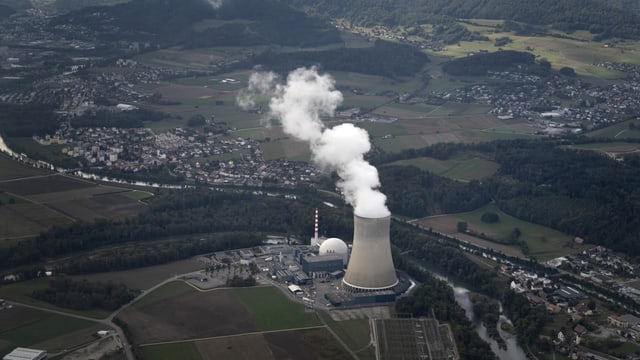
(335, 246)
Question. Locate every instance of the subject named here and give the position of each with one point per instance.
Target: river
(513, 351)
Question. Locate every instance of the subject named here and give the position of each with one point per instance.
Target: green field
(355, 334)
(617, 147)
(544, 243)
(400, 143)
(575, 50)
(380, 129)
(21, 292)
(620, 130)
(49, 332)
(458, 169)
(272, 310)
(138, 195)
(181, 350)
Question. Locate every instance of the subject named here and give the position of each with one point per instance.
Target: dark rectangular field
(188, 315)
(44, 184)
(11, 169)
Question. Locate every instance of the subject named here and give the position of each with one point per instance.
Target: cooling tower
(370, 266)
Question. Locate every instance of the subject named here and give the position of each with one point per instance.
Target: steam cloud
(299, 105)
(215, 3)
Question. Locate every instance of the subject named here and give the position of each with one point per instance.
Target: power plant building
(370, 266)
(321, 264)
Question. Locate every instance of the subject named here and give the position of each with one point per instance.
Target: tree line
(384, 58)
(182, 213)
(84, 295)
(599, 17)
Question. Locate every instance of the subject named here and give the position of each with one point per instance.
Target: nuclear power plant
(370, 266)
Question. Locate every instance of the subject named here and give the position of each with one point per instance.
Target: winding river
(513, 350)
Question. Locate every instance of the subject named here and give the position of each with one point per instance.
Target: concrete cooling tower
(370, 266)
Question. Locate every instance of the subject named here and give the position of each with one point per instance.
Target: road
(108, 321)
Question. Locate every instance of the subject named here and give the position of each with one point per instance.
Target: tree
(196, 120)
(567, 71)
(490, 217)
(462, 226)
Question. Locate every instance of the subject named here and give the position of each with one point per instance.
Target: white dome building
(335, 246)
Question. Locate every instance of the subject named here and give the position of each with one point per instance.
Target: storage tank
(370, 266)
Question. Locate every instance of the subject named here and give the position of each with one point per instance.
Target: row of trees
(479, 64)
(384, 59)
(182, 213)
(83, 295)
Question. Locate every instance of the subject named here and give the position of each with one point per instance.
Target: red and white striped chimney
(315, 227)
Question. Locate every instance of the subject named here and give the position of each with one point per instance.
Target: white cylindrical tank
(370, 266)
(335, 246)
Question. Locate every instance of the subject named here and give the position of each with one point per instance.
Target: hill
(236, 23)
(600, 17)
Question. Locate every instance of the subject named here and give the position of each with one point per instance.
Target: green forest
(170, 22)
(599, 17)
(582, 193)
(384, 58)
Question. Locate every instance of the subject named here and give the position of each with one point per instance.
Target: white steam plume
(299, 105)
(262, 83)
(215, 3)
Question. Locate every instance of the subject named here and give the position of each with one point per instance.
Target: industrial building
(314, 265)
(21, 353)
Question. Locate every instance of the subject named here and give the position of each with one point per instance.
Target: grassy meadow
(544, 243)
(170, 351)
(272, 310)
(460, 168)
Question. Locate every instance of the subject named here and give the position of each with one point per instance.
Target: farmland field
(193, 314)
(610, 148)
(458, 168)
(544, 243)
(572, 51)
(355, 333)
(51, 332)
(21, 292)
(11, 169)
(620, 130)
(182, 350)
(271, 310)
(306, 344)
(45, 184)
(53, 199)
(146, 277)
(312, 344)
